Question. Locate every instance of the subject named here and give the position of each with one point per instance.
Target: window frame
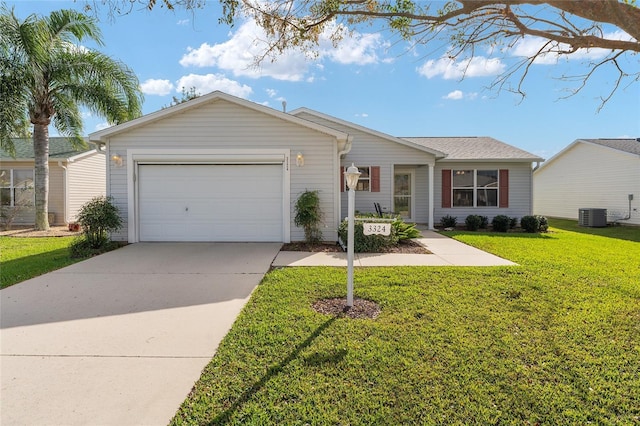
(12, 187)
(474, 188)
(366, 179)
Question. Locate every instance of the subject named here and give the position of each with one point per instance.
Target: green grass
(24, 258)
(555, 340)
(630, 233)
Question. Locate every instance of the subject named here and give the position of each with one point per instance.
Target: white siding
(372, 150)
(589, 176)
(86, 180)
(520, 180)
(225, 125)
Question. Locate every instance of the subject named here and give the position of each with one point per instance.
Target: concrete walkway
(120, 339)
(446, 252)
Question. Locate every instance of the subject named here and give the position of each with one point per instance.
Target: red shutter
(503, 192)
(341, 179)
(446, 188)
(375, 178)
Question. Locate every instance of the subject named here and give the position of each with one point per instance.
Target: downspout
(347, 148)
(65, 187)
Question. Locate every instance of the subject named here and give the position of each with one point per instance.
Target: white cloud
(456, 95)
(249, 41)
(359, 49)
(210, 82)
(183, 22)
(238, 56)
(156, 87)
(449, 69)
(271, 92)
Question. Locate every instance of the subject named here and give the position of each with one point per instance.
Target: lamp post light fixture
(351, 175)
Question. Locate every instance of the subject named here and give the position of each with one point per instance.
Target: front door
(403, 193)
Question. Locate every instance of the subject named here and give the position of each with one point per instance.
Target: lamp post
(351, 175)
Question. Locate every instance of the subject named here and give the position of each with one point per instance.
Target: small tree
(98, 217)
(309, 215)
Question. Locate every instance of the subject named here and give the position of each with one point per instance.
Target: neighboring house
(75, 176)
(220, 168)
(591, 173)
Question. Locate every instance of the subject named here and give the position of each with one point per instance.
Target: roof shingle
(631, 146)
(59, 148)
(474, 148)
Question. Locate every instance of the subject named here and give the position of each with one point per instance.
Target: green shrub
(309, 215)
(98, 217)
(473, 222)
(544, 224)
(484, 222)
(501, 223)
(448, 221)
(530, 224)
(513, 222)
(367, 243)
(534, 224)
(404, 230)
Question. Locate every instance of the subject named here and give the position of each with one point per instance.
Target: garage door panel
(210, 202)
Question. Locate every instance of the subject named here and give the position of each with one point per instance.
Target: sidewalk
(445, 252)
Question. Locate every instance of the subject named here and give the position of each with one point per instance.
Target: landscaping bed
(404, 246)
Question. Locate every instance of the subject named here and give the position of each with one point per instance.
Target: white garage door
(210, 202)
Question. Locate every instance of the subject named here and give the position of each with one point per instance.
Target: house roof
(103, 135)
(627, 146)
(474, 149)
(631, 146)
(402, 141)
(60, 148)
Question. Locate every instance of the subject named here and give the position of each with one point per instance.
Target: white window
(364, 181)
(16, 187)
(475, 188)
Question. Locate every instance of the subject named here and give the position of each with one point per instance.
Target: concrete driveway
(120, 339)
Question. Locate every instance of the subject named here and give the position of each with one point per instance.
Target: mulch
(361, 308)
(54, 231)
(405, 246)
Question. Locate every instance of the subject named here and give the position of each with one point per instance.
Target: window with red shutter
(503, 195)
(446, 188)
(375, 178)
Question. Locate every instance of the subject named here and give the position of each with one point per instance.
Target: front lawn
(555, 340)
(24, 258)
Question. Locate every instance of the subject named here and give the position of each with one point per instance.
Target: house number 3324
(376, 228)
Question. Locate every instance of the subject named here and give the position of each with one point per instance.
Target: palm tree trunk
(41, 151)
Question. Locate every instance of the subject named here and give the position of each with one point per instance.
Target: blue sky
(372, 79)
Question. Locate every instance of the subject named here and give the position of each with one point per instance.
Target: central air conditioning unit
(594, 218)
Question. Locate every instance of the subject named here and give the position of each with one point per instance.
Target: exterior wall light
(299, 159)
(116, 159)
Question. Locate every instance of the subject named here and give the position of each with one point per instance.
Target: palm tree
(45, 78)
